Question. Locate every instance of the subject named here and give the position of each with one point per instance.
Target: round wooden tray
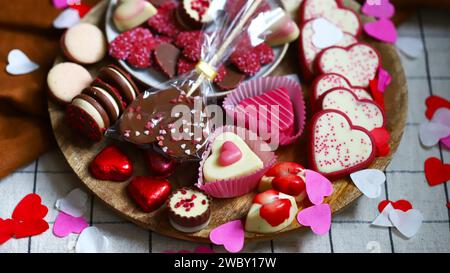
(79, 154)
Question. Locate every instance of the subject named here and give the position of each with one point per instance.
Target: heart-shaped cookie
(333, 11)
(248, 163)
(338, 148)
(148, 192)
(111, 164)
(359, 63)
(326, 82)
(316, 35)
(362, 113)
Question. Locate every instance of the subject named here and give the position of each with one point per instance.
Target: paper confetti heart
(436, 172)
(60, 4)
(317, 217)
(230, 235)
(326, 34)
(382, 219)
(434, 103)
(91, 240)
(66, 224)
(384, 79)
(408, 223)
(403, 205)
(369, 182)
(19, 63)
(6, 230)
(383, 30)
(438, 128)
(446, 142)
(378, 8)
(66, 19)
(73, 203)
(410, 46)
(317, 187)
(28, 217)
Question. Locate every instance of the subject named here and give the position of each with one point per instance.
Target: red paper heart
(403, 205)
(28, 217)
(82, 9)
(436, 172)
(448, 205)
(381, 137)
(6, 230)
(111, 164)
(376, 94)
(148, 192)
(433, 103)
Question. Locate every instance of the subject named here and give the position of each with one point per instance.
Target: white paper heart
(325, 33)
(438, 128)
(369, 182)
(382, 219)
(408, 223)
(410, 46)
(19, 63)
(73, 203)
(91, 240)
(67, 19)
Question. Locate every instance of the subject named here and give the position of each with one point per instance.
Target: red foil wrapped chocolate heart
(159, 165)
(111, 164)
(149, 193)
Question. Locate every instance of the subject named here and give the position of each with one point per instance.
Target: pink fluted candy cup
(239, 186)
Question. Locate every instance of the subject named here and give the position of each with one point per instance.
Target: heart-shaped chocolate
(148, 192)
(158, 164)
(166, 57)
(111, 164)
(229, 154)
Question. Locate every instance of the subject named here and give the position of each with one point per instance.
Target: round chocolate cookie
(189, 210)
(118, 78)
(87, 117)
(106, 101)
(112, 91)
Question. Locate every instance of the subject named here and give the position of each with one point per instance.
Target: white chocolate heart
(337, 147)
(359, 63)
(249, 163)
(327, 82)
(361, 113)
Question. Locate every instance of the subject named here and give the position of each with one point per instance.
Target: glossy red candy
(159, 165)
(111, 164)
(149, 193)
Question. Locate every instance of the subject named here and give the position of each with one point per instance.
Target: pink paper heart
(60, 4)
(446, 142)
(317, 187)
(230, 235)
(317, 217)
(384, 79)
(378, 8)
(229, 154)
(66, 224)
(383, 30)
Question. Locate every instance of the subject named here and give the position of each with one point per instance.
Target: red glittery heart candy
(436, 172)
(111, 164)
(6, 230)
(148, 192)
(28, 217)
(433, 103)
(403, 205)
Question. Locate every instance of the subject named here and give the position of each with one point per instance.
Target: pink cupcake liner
(260, 86)
(235, 187)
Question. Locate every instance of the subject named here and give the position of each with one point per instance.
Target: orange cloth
(25, 130)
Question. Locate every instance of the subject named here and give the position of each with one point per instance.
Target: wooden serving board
(80, 153)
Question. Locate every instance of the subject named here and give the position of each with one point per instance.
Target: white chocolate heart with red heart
(271, 212)
(343, 18)
(326, 82)
(359, 63)
(338, 148)
(318, 34)
(240, 161)
(362, 113)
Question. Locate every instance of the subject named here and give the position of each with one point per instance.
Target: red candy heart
(287, 178)
(148, 192)
(159, 165)
(274, 210)
(111, 164)
(6, 230)
(436, 172)
(229, 154)
(28, 217)
(403, 205)
(381, 138)
(433, 103)
(82, 9)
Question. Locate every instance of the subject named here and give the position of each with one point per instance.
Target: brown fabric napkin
(25, 130)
